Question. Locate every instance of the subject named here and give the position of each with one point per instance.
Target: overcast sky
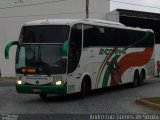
(154, 5)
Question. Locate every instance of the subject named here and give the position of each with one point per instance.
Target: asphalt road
(119, 100)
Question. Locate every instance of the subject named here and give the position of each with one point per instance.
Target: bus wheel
(83, 92)
(135, 80)
(142, 78)
(43, 96)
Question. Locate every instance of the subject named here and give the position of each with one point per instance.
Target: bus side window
(75, 45)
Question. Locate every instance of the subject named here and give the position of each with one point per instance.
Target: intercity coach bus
(64, 56)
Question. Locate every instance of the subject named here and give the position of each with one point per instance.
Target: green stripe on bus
(96, 85)
(47, 89)
(108, 71)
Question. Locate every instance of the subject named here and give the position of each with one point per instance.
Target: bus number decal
(71, 88)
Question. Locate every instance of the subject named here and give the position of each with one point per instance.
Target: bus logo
(37, 82)
(108, 51)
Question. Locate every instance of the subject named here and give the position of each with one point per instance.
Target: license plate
(37, 90)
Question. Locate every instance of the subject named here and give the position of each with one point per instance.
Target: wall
(113, 16)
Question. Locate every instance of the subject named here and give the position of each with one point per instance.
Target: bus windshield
(44, 34)
(40, 50)
(40, 59)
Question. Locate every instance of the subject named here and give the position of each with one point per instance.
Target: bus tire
(142, 77)
(43, 96)
(135, 80)
(85, 87)
(83, 92)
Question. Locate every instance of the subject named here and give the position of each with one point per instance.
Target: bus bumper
(42, 89)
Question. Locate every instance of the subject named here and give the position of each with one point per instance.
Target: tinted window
(143, 39)
(119, 37)
(116, 37)
(45, 34)
(75, 45)
(89, 35)
(47, 59)
(93, 35)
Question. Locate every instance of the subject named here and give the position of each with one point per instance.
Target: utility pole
(87, 9)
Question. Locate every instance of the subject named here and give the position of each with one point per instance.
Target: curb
(148, 104)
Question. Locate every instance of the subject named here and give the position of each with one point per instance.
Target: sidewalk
(154, 78)
(153, 102)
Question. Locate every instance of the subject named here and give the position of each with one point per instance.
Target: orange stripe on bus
(135, 59)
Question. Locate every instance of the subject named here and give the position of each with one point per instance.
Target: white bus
(65, 56)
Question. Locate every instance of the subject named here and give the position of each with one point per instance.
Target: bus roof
(69, 22)
(84, 21)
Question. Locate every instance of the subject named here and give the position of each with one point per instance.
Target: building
(139, 19)
(14, 13)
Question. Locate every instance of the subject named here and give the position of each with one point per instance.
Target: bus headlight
(19, 82)
(59, 82)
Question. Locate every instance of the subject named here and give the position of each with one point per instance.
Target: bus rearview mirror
(7, 48)
(65, 48)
